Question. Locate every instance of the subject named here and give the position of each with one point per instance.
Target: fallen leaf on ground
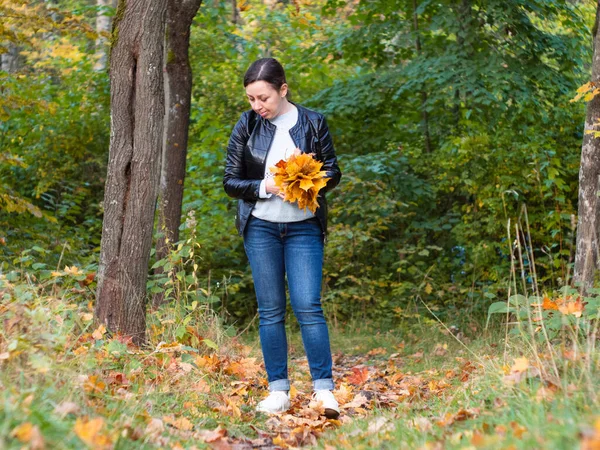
(89, 432)
(30, 434)
(66, 408)
(181, 423)
(359, 375)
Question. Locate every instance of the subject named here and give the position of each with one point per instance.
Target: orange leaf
(359, 376)
(575, 308)
(549, 304)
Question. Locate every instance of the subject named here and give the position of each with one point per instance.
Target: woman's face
(265, 99)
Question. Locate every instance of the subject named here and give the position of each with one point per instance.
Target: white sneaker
(276, 402)
(330, 404)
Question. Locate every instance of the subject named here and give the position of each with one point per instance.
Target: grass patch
(66, 383)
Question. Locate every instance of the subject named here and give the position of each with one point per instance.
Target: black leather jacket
(247, 150)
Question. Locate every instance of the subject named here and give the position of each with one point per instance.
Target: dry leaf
(181, 423)
(520, 365)
(99, 332)
(359, 376)
(155, 427)
(380, 424)
(212, 435)
(422, 424)
(575, 308)
(89, 432)
(300, 179)
(66, 408)
(358, 401)
(549, 304)
(28, 433)
(93, 384)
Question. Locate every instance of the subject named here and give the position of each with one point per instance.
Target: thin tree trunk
(137, 115)
(178, 94)
(235, 13)
(586, 256)
(102, 27)
(465, 19)
(424, 113)
(10, 61)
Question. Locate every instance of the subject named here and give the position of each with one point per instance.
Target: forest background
(447, 120)
(452, 122)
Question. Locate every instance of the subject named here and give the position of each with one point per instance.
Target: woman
(280, 239)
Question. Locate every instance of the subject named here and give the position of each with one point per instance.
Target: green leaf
(210, 344)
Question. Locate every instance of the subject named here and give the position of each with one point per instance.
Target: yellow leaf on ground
(89, 432)
(181, 423)
(99, 332)
(28, 433)
(23, 432)
(520, 365)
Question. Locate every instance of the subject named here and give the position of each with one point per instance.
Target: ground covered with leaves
(65, 382)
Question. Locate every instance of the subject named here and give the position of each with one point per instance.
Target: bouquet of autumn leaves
(300, 179)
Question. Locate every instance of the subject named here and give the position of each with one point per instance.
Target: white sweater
(271, 207)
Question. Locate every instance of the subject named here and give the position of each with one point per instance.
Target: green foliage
(53, 137)
(567, 315)
(410, 224)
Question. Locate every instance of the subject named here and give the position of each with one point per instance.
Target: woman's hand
(272, 188)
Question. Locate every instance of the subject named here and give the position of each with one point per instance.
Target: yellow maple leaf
(300, 178)
(520, 365)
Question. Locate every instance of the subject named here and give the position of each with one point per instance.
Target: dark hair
(265, 69)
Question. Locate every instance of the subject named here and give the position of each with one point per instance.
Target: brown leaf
(66, 408)
(380, 424)
(358, 401)
(422, 424)
(155, 427)
(209, 436)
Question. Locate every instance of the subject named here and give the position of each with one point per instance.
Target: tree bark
(102, 27)
(10, 61)
(137, 115)
(586, 255)
(178, 95)
(424, 113)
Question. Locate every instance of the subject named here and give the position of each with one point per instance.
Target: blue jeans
(294, 249)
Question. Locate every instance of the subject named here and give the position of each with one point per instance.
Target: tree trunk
(424, 113)
(178, 95)
(137, 115)
(586, 256)
(10, 61)
(102, 27)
